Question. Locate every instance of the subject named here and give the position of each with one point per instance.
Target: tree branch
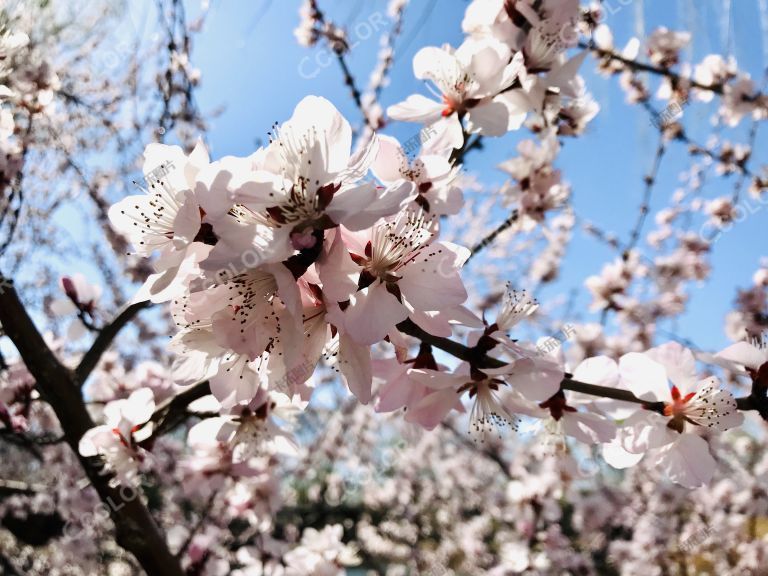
(173, 411)
(104, 340)
(488, 240)
(479, 359)
(135, 529)
(340, 47)
(645, 206)
(643, 67)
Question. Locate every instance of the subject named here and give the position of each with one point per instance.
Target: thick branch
(135, 529)
(460, 351)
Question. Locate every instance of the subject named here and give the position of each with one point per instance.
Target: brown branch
(339, 48)
(488, 240)
(645, 206)
(173, 411)
(472, 355)
(204, 515)
(104, 340)
(644, 67)
(476, 143)
(135, 529)
(479, 359)
(349, 81)
(569, 383)
(744, 170)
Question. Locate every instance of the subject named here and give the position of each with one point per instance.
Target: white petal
(619, 458)
(389, 160)
(416, 108)
(355, 366)
(432, 63)
(589, 428)
(537, 379)
(489, 119)
(644, 377)
(679, 364)
(688, 461)
(517, 105)
(431, 281)
(141, 405)
(359, 207)
(372, 314)
(337, 271)
(186, 225)
(744, 354)
(93, 440)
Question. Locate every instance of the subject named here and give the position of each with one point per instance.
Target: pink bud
(69, 288)
(303, 240)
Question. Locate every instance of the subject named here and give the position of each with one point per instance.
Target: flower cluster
(324, 277)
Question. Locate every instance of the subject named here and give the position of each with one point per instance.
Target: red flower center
(677, 406)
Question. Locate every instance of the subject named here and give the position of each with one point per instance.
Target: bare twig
(645, 206)
(644, 67)
(104, 340)
(339, 49)
(204, 514)
(494, 233)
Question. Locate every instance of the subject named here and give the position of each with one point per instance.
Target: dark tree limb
(135, 529)
(104, 340)
(173, 411)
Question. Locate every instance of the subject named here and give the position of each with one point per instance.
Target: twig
(744, 170)
(173, 411)
(492, 236)
(645, 206)
(104, 340)
(479, 359)
(204, 514)
(349, 79)
(492, 456)
(643, 67)
(476, 143)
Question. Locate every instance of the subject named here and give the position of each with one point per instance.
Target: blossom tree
(326, 355)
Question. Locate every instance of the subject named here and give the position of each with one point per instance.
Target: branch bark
(104, 340)
(135, 529)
